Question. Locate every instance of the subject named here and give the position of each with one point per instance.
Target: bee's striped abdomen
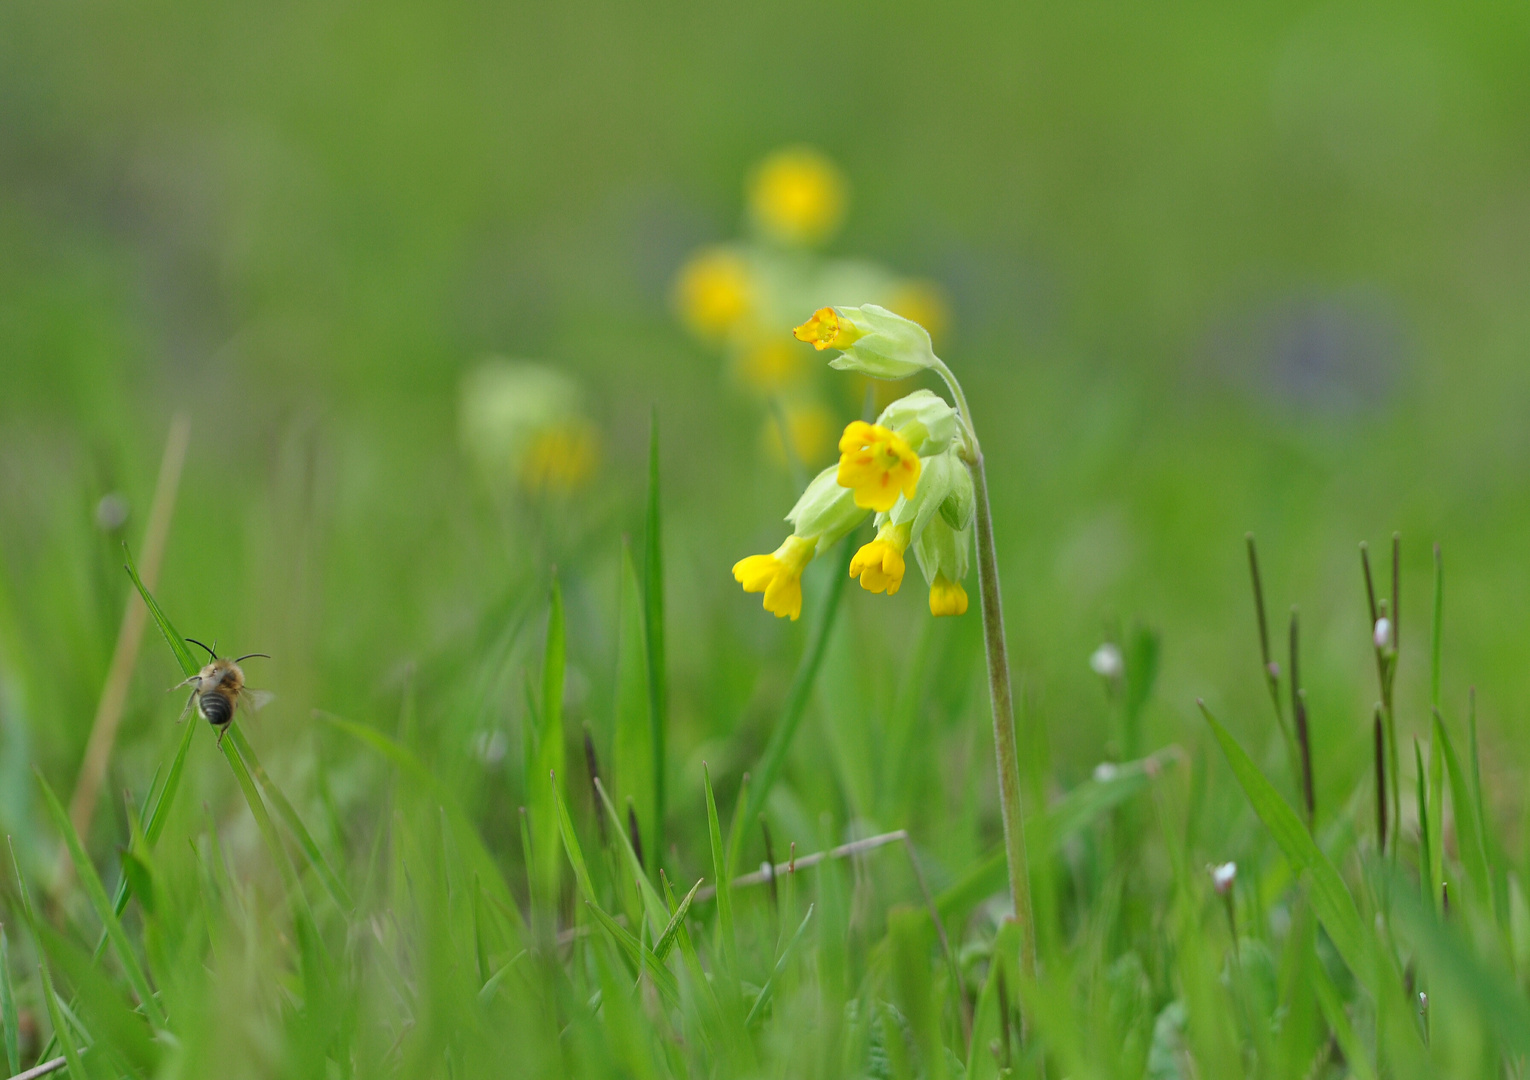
(215, 708)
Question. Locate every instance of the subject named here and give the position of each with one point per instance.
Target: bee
(219, 688)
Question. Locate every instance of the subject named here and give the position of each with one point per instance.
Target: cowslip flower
(871, 340)
(797, 196)
(778, 575)
(822, 517)
(877, 465)
(524, 424)
(714, 292)
(879, 564)
(947, 597)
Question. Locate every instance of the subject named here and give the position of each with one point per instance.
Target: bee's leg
(222, 731)
(184, 682)
(189, 703)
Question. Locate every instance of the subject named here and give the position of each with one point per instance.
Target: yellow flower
(773, 364)
(924, 303)
(809, 432)
(879, 564)
(947, 597)
(560, 457)
(797, 196)
(877, 465)
(714, 292)
(826, 330)
(778, 575)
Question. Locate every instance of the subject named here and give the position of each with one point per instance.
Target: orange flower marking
(826, 330)
(877, 465)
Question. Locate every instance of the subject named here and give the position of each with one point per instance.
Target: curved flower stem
(1001, 696)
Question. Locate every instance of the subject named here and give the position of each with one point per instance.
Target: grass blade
(720, 869)
(653, 904)
(97, 895)
(653, 626)
(667, 938)
(780, 968)
(1468, 826)
(540, 795)
(178, 646)
(61, 1033)
(8, 1015)
(1330, 898)
(632, 764)
(571, 844)
(774, 757)
(294, 823)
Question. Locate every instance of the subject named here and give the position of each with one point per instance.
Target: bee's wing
(255, 700)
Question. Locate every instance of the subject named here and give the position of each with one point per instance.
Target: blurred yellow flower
(809, 432)
(925, 303)
(714, 292)
(879, 564)
(947, 597)
(797, 196)
(772, 364)
(778, 575)
(560, 458)
(826, 330)
(877, 465)
(524, 423)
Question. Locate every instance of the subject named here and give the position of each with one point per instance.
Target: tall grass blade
(1330, 898)
(774, 757)
(9, 1018)
(61, 1033)
(1436, 629)
(653, 627)
(653, 904)
(667, 939)
(284, 810)
(632, 764)
(724, 888)
(780, 969)
(1426, 874)
(103, 908)
(541, 795)
(1468, 825)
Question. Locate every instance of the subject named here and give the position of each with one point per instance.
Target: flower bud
(943, 551)
(1383, 632)
(825, 512)
(924, 420)
(1106, 662)
(1222, 877)
(873, 340)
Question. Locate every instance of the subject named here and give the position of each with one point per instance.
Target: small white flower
(111, 512)
(1222, 877)
(490, 746)
(1105, 772)
(1106, 662)
(1383, 633)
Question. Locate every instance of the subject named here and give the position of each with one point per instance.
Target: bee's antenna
(210, 652)
(246, 656)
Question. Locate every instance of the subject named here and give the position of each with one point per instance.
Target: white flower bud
(1106, 662)
(1383, 632)
(1105, 772)
(1222, 877)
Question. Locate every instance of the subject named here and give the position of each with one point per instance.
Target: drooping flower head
(826, 330)
(879, 564)
(877, 465)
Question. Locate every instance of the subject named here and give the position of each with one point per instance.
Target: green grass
(411, 940)
(1210, 270)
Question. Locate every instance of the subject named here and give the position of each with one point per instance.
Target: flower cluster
(737, 296)
(906, 468)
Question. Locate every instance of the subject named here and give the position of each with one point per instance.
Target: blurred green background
(1209, 270)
